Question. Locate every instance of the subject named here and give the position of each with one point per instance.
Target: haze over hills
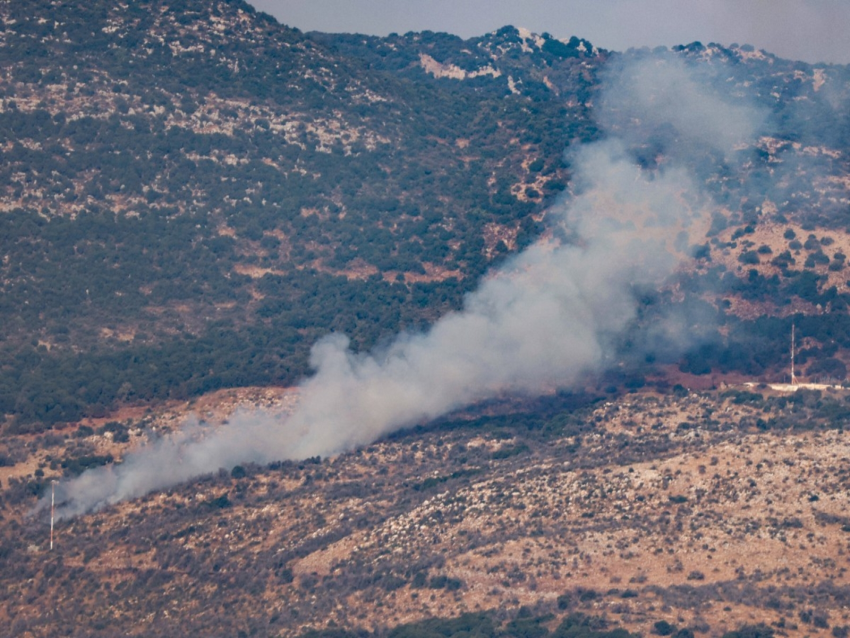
(196, 195)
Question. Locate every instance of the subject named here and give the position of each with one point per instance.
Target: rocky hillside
(194, 193)
(197, 191)
(699, 512)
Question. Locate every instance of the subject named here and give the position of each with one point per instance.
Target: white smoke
(661, 98)
(545, 319)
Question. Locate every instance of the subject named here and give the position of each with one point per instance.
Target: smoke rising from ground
(545, 319)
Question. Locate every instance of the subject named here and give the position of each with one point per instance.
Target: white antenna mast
(793, 376)
(52, 504)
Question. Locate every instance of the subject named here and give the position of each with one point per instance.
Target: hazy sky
(811, 30)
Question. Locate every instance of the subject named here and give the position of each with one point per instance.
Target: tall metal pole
(52, 504)
(793, 376)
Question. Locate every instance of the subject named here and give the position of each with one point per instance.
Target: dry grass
(709, 521)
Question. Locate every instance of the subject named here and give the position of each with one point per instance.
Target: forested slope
(194, 193)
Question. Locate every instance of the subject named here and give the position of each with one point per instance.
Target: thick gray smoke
(543, 320)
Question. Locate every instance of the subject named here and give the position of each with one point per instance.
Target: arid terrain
(708, 510)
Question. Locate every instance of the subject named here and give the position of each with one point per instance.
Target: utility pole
(52, 505)
(793, 376)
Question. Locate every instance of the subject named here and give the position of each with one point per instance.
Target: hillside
(196, 193)
(707, 511)
(195, 196)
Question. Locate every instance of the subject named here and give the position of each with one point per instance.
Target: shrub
(222, 502)
(751, 631)
(749, 257)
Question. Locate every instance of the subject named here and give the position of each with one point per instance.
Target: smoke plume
(545, 319)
